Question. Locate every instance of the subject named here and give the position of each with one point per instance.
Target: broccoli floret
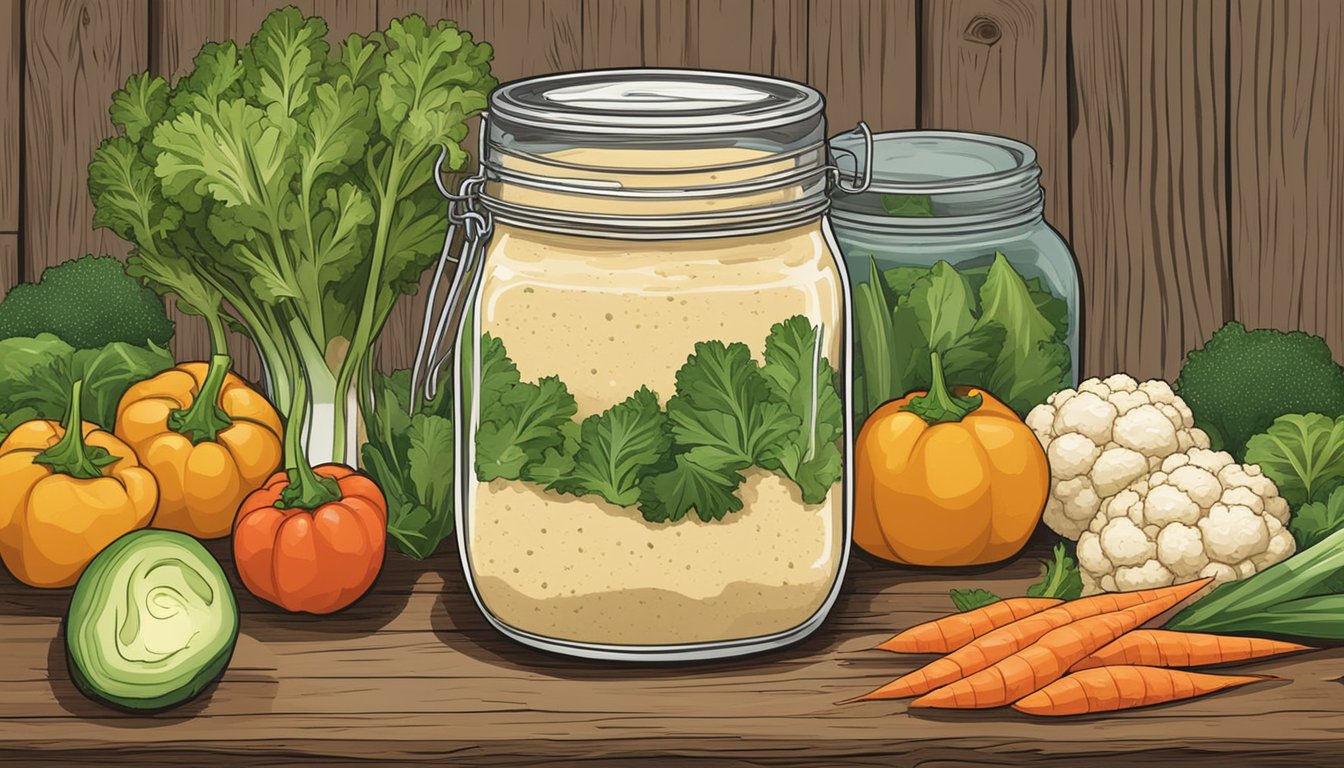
(88, 303)
(1240, 381)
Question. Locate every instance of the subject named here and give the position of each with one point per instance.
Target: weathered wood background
(1193, 149)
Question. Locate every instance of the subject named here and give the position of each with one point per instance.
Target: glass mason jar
(653, 448)
(959, 198)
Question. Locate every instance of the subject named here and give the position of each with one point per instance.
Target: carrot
(1003, 642)
(1107, 689)
(1165, 648)
(1039, 664)
(952, 632)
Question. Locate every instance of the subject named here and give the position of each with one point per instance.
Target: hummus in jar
(610, 318)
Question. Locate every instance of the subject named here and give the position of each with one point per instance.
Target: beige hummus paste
(609, 316)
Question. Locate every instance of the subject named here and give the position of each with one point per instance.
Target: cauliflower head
(1201, 514)
(1103, 436)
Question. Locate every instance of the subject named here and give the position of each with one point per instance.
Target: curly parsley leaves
(729, 413)
(617, 448)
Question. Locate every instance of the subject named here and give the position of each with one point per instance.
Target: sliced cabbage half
(152, 622)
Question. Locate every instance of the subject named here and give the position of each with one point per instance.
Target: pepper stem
(306, 490)
(939, 405)
(204, 419)
(71, 455)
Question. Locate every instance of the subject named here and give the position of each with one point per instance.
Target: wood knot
(983, 30)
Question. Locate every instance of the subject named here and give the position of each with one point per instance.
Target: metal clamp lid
(477, 224)
(866, 179)
(465, 210)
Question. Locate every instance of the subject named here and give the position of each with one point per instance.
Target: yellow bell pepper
(209, 439)
(68, 493)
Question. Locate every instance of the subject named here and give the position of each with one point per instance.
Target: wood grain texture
(1287, 166)
(11, 119)
(613, 31)
(998, 66)
(9, 262)
(862, 56)
(413, 674)
(78, 53)
(767, 37)
(179, 29)
(1149, 223)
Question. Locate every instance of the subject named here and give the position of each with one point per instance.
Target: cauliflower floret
(1101, 438)
(1200, 514)
(1147, 576)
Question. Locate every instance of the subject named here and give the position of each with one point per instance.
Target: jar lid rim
(991, 149)
(658, 102)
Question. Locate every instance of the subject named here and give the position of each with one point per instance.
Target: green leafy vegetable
(555, 464)
(88, 303)
(991, 328)
(1031, 364)
(524, 424)
(970, 599)
(36, 375)
(729, 413)
(798, 376)
(618, 448)
(1301, 598)
(1059, 577)
(1314, 521)
(410, 456)
(697, 481)
(1241, 381)
(908, 206)
(289, 189)
(724, 404)
(1303, 454)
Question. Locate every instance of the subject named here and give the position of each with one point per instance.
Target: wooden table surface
(413, 674)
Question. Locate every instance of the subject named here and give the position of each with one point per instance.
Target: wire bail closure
(464, 211)
(866, 179)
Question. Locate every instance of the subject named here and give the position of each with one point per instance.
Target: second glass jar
(953, 225)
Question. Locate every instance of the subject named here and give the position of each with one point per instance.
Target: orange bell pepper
(947, 478)
(312, 559)
(209, 439)
(69, 492)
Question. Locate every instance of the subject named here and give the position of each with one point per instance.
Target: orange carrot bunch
(1051, 658)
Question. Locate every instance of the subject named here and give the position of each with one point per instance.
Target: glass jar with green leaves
(1004, 317)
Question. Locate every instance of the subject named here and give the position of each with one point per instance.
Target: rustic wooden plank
(766, 37)
(862, 57)
(11, 119)
(78, 53)
(1149, 220)
(999, 67)
(613, 33)
(9, 262)
(423, 679)
(1287, 173)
